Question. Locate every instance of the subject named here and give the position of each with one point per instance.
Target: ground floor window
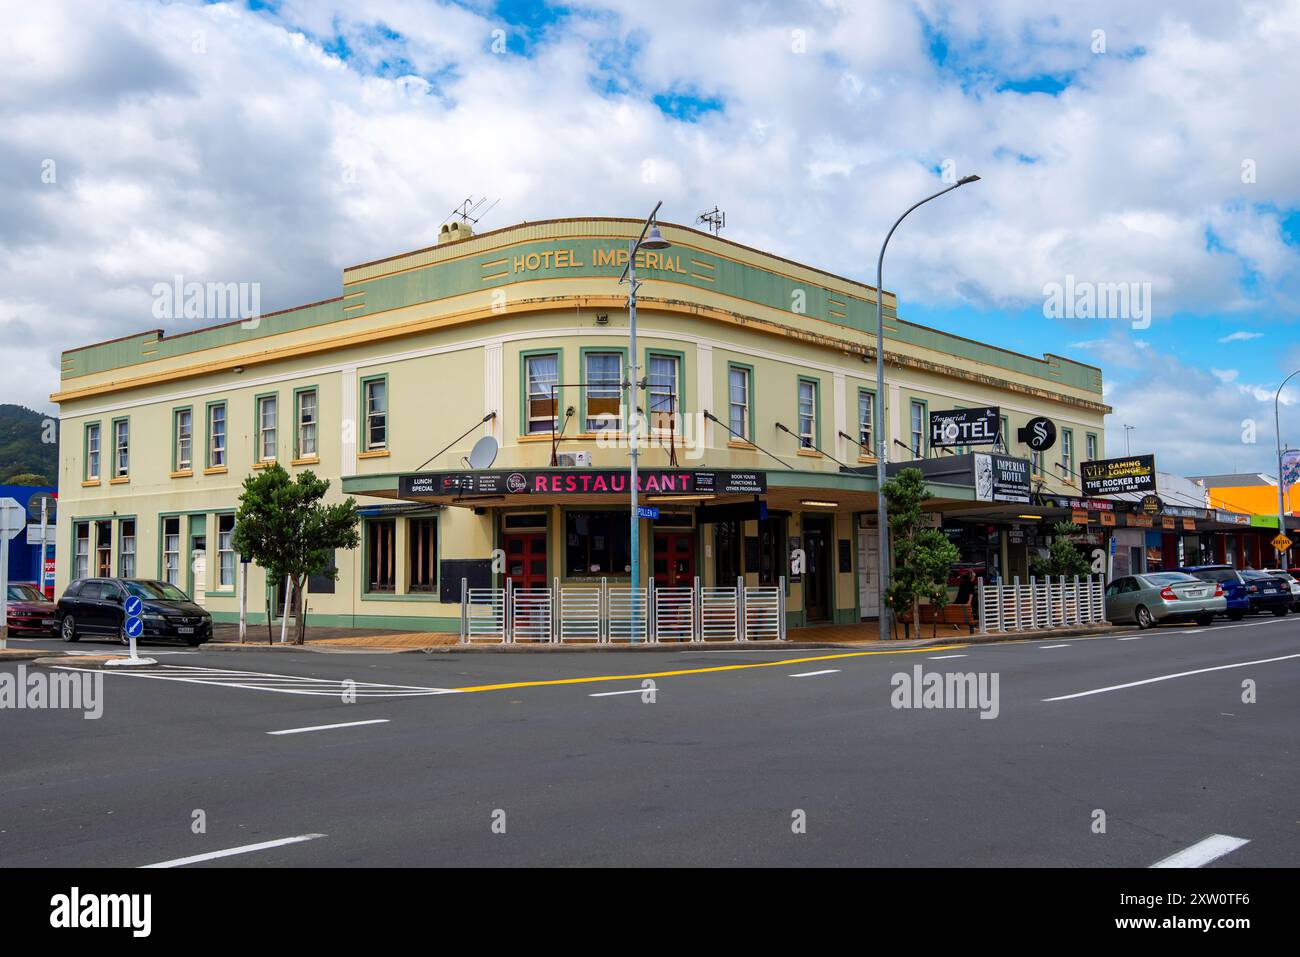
(81, 556)
(597, 543)
(172, 551)
(422, 549)
(381, 537)
(104, 549)
(225, 551)
(126, 548)
(773, 562)
(727, 541)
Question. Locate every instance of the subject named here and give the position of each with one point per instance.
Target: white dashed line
(330, 727)
(943, 657)
(1046, 647)
(813, 674)
(610, 694)
(1203, 852)
(1181, 674)
(232, 851)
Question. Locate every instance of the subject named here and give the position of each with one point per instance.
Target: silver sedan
(1163, 596)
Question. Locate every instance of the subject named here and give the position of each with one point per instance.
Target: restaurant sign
(581, 481)
(1134, 473)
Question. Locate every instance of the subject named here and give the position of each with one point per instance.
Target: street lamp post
(882, 509)
(653, 241)
(1277, 432)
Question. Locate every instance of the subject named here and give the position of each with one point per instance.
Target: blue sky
(278, 140)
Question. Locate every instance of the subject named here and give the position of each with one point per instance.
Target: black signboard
(476, 571)
(581, 481)
(952, 427)
(1001, 478)
(1039, 433)
(739, 512)
(1133, 473)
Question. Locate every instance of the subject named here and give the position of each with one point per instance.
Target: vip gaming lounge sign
(1133, 473)
(953, 427)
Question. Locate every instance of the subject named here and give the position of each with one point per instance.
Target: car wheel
(1205, 620)
(194, 642)
(1279, 612)
(68, 629)
(1236, 615)
(1144, 618)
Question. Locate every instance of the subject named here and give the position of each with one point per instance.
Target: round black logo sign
(516, 482)
(1151, 505)
(1039, 433)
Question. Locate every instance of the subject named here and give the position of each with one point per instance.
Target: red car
(29, 610)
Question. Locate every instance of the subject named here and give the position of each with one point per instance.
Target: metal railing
(605, 613)
(1052, 602)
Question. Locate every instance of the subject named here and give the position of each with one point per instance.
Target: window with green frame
(121, 448)
(541, 391)
(916, 433)
(603, 391)
(663, 388)
(183, 439)
(216, 435)
(1067, 454)
(306, 404)
(93, 452)
(808, 424)
(867, 422)
(374, 408)
(740, 402)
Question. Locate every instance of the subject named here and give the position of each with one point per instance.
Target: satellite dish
(483, 454)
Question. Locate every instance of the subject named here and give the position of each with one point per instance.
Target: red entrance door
(526, 559)
(674, 559)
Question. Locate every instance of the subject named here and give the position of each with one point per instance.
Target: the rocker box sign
(582, 482)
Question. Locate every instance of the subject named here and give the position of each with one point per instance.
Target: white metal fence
(1042, 603)
(604, 613)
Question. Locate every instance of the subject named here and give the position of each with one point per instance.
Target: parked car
(1267, 592)
(1292, 580)
(1163, 596)
(29, 610)
(1232, 583)
(97, 606)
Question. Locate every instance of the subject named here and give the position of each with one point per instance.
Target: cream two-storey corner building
(757, 404)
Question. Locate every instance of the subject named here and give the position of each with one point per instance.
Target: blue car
(1245, 591)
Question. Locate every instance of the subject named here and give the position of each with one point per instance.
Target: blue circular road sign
(134, 627)
(134, 605)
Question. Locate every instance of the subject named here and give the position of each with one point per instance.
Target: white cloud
(1241, 336)
(264, 158)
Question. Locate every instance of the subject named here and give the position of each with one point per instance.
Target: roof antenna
(713, 220)
(471, 210)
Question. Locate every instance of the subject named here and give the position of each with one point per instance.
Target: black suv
(97, 606)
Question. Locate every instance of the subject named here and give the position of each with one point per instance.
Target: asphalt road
(560, 760)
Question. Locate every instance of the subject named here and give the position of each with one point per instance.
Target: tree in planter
(1064, 557)
(922, 556)
(283, 525)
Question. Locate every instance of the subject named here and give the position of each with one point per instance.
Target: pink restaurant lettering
(616, 482)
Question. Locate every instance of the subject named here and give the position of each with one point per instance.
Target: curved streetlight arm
(882, 508)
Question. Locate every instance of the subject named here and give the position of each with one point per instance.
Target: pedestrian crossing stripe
(282, 684)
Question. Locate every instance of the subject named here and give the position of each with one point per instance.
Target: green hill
(26, 450)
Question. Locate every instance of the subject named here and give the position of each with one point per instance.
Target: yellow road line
(701, 671)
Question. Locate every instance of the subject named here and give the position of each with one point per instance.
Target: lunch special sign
(1133, 473)
(583, 481)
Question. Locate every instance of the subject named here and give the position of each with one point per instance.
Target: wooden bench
(955, 615)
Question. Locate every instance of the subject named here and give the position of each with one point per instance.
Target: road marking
(232, 851)
(813, 674)
(330, 727)
(944, 657)
(1203, 852)
(608, 694)
(697, 671)
(281, 684)
(1132, 638)
(1181, 674)
(1046, 647)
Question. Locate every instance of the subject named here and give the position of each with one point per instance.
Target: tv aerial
(713, 220)
(471, 210)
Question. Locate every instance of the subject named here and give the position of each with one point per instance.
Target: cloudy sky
(276, 142)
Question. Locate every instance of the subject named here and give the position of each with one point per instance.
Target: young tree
(1064, 557)
(922, 556)
(283, 526)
